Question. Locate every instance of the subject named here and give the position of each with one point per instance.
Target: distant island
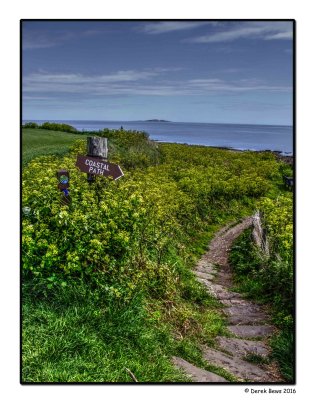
(156, 120)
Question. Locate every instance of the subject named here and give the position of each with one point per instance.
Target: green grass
(79, 334)
(40, 142)
(72, 336)
(256, 359)
(282, 346)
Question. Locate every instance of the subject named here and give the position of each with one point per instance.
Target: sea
(235, 136)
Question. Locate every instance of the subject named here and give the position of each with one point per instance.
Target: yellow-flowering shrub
(128, 231)
(278, 221)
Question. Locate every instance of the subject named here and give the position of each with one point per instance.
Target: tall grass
(74, 336)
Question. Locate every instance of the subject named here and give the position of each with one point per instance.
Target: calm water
(237, 136)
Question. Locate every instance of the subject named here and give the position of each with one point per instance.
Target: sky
(221, 71)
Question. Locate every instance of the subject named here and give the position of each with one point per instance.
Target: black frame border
(294, 382)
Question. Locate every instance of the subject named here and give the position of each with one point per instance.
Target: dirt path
(247, 322)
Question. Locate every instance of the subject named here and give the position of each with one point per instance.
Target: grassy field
(40, 142)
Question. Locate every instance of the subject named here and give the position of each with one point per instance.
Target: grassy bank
(107, 281)
(40, 142)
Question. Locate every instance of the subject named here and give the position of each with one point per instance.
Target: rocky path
(247, 322)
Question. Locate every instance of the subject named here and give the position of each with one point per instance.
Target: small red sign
(98, 166)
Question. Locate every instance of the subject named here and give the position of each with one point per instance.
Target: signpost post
(96, 147)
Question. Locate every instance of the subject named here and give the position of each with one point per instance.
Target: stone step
(246, 319)
(250, 331)
(196, 374)
(242, 347)
(236, 366)
(244, 309)
(224, 278)
(228, 295)
(218, 291)
(204, 275)
(205, 267)
(236, 302)
(245, 314)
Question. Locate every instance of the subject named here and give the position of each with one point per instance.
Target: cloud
(69, 81)
(33, 41)
(280, 35)
(154, 28)
(44, 39)
(277, 30)
(240, 85)
(39, 38)
(132, 82)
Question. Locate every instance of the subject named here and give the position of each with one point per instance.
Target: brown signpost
(98, 166)
(95, 163)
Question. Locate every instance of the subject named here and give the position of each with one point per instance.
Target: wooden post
(96, 147)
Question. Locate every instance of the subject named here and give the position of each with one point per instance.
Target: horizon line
(167, 121)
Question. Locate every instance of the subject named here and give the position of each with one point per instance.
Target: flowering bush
(124, 234)
(278, 221)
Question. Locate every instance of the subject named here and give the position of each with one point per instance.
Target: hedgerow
(52, 126)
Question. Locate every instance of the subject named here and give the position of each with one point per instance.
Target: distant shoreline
(237, 137)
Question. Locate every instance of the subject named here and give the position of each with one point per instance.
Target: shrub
(53, 126)
(31, 125)
(127, 234)
(278, 221)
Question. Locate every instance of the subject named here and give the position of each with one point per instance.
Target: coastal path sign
(98, 166)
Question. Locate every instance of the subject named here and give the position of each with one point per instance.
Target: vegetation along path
(247, 322)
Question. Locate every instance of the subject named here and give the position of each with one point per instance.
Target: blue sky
(194, 71)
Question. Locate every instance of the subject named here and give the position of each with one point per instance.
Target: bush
(53, 126)
(278, 221)
(31, 125)
(128, 235)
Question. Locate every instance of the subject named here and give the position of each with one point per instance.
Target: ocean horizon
(235, 136)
